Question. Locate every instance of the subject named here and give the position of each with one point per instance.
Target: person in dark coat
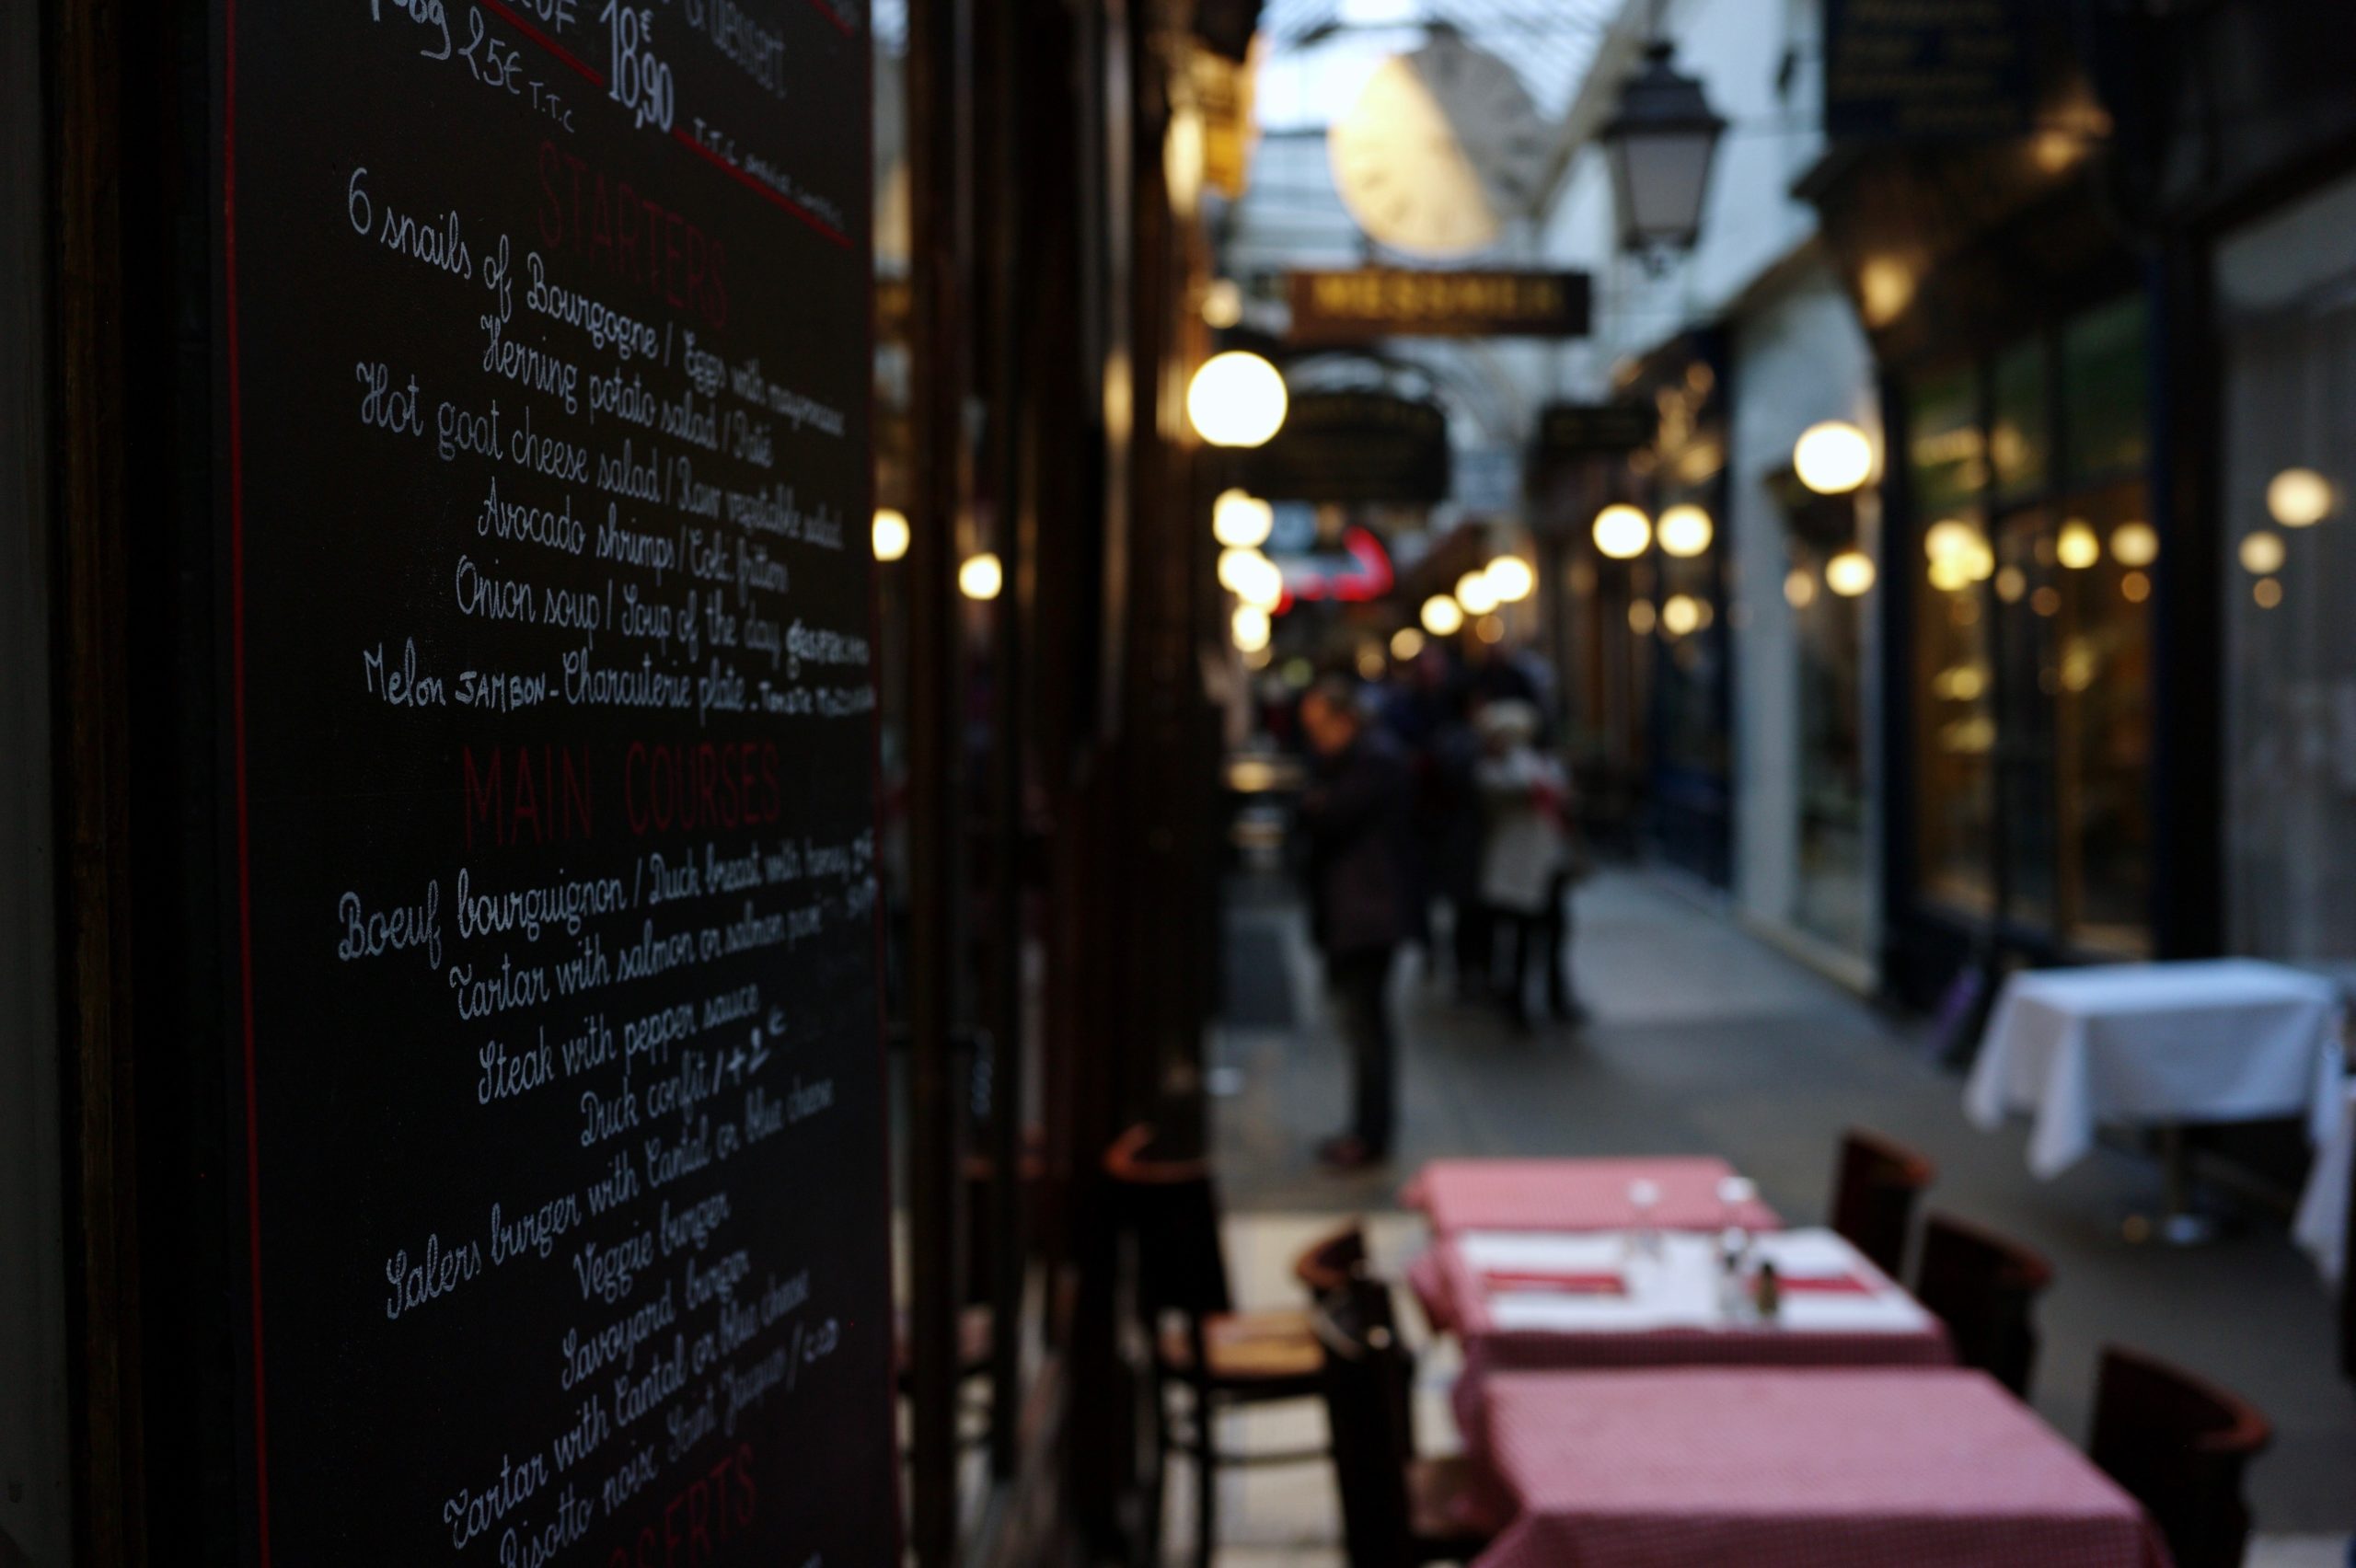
(1357, 812)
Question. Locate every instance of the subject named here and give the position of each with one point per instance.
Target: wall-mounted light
(1512, 577)
(1622, 531)
(980, 576)
(2298, 498)
(1850, 574)
(2077, 547)
(890, 534)
(1799, 588)
(1833, 458)
(1406, 644)
(1251, 628)
(1660, 143)
(1442, 617)
(2262, 554)
(1685, 531)
(1236, 399)
(1476, 593)
(1242, 520)
(2134, 544)
(1680, 615)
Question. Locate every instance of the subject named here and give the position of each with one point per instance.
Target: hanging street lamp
(1660, 144)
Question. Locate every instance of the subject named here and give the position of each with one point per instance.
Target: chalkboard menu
(545, 370)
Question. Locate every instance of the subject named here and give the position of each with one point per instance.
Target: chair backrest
(2180, 1446)
(1330, 1263)
(1172, 1209)
(1874, 1193)
(1368, 1379)
(1983, 1285)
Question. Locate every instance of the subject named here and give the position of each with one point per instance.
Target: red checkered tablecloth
(1699, 1468)
(1574, 1194)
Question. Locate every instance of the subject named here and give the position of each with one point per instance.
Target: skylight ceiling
(1321, 52)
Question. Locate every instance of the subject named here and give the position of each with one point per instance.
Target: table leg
(2176, 1225)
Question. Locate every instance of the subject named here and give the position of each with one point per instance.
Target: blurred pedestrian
(1456, 828)
(1357, 815)
(1526, 854)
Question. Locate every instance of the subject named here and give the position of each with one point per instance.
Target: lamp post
(1660, 143)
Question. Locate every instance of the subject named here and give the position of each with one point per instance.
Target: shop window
(1954, 699)
(2033, 644)
(2286, 299)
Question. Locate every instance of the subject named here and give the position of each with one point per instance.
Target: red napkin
(1829, 1285)
(1540, 1279)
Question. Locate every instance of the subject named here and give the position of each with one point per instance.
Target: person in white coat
(1525, 852)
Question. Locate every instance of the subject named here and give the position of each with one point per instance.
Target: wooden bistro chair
(2179, 1446)
(1983, 1287)
(1398, 1511)
(1874, 1193)
(1223, 1358)
(1330, 1265)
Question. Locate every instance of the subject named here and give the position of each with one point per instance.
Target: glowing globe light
(1263, 588)
(1512, 577)
(980, 576)
(2262, 553)
(1850, 574)
(2298, 498)
(1832, 458)
(1681, 614)
(1686, 530)
(1799, 588)
(2077, 547)
(1622, 531)
(1241, 521)
(1476, 593)
(1237, 400)
(890, 534)
(1251, 627)
(1641, 619)
(1406, 644)
(2134, 544)
(1949, 539)
(1443, 616)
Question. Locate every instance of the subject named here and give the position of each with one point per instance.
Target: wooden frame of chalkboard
(543, 347)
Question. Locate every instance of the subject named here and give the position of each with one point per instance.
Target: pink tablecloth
(1574, 1194)
(1828, 1469)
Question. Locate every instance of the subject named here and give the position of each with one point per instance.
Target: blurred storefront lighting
(1442, 616)
(1298, 673)
(2262, 553)
(1832, 458)
(1490, 629)
(1236, 399)
(1406, 644)
(1257, 658)
(2135, 587)
(1850, 574)
(1686, 530)
(2011, 584)
(980, 577)
(1641, 618)
(1680, 615)
(2298, 498)
(1886, 287)
(2267, 592)
(1622, 531)
(1223, 304)
(2046, 602)
(1512, 577)
(1476, 593)
(1370, 662)
(1799, 588)
(1242, 520)
(1250, 625)
(890, 534)
(2078, 547)
(2134, 544)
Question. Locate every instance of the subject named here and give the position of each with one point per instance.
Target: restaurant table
(1888, 1468)
(2321, 1225)
(1582, 1193)
(2163, 1045)
(1576, 1194)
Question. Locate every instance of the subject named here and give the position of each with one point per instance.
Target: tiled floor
(1704, 1040)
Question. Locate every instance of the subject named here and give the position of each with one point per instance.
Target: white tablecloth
(2322, 1224)
(2217, 1040)
(1675, 1283)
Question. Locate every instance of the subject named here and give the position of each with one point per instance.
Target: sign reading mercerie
(1388, 303)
